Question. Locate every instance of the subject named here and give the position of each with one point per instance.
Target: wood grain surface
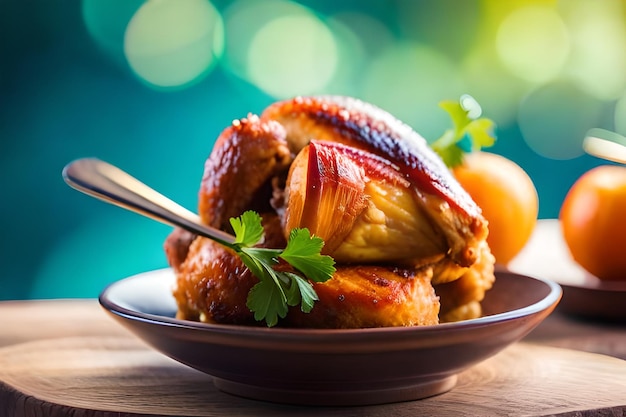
(121, 375)
(64, 358)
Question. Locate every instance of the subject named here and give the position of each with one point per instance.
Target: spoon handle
(104, 181)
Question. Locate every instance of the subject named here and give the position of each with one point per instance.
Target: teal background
(62, 98)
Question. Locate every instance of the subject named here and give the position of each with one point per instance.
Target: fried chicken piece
(361, 205)
(213, 285)
(471, 310)
(371, 296)
(177, 247)
(364, 126)
(247, 169)
(460, 299)
(361, 125)
(237, 174)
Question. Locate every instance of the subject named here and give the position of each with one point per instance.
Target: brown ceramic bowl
(331, 367)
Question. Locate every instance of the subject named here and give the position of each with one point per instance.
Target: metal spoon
(106, 182)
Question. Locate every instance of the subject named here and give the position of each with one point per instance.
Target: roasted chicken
(409, 242)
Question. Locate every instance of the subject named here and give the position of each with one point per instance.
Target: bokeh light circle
(554, 120)
(450, 26)
(110, 247)
(351, 56)
(409, 80)
(498, 91)
(598, 58)
(292, 55)
(173, 43)
(619, 116)
(374, 36)
(359, 38)
(106, 23)
(242, 20)
(533, 43)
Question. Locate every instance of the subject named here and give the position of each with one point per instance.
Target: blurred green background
(148, 86)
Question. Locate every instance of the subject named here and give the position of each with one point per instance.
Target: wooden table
(67, 357)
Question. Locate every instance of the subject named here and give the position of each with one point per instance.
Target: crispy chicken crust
(460, 299)
(213, 286)
(244, 157)
(361, 125)
(372, 296)
(248, 170)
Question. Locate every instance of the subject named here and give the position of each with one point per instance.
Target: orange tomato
(507, 197)
(593, 223)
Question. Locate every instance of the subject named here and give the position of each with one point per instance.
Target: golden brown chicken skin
(460, 299)
(361, 125)
(408, 200)
(236, 175)
(213, 285)
(372, 296)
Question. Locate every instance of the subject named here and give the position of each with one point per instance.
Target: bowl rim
(548, 302)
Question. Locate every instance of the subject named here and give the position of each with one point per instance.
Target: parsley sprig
(277, 289)
(469, 133)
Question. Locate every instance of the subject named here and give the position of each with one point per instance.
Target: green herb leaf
(481, 131)
(303, 253)
(308, 296)
(469, 133)
(248, 229)
(458, 114)
(267, 303)
(448, 150)
(271, 297)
